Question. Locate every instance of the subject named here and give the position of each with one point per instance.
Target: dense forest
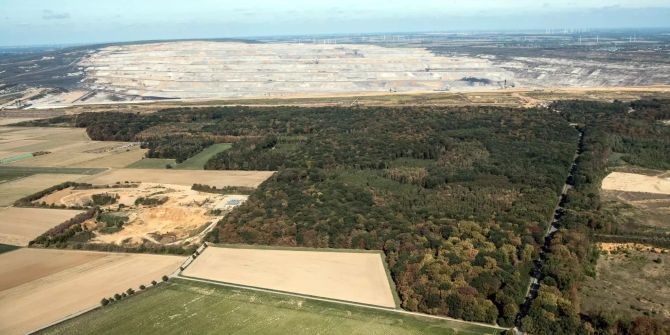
(634, 130)
(457, 198)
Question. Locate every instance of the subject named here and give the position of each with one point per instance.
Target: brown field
(350, 276)
(17, 189)
(19, 226)
(183, 177)
(27, 265)
(629, 281)
(631, 182)
(56, 283)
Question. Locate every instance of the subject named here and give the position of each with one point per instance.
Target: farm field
(199, 308)
(152, 163)
(13, 190)
(630, 280)
(64, 147)
(21, 225)
(198, 161)
(41, 286)
(218, 179)
(351, 276)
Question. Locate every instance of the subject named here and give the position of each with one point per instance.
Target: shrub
(104, 302)
(146, 201)
(165, 278)
(142, 287)
(103, 199)
(117, 296)
(130, 291)
(154, 283)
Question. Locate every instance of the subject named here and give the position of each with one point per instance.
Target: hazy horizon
(33, 22)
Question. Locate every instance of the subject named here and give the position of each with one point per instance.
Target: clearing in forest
(350, 276)
(630, 280)
(631, 182)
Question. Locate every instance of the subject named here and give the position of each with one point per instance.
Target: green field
(6, 248)
(152, 163)
(185, 307)
(198, 161)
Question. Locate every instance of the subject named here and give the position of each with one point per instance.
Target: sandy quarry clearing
(19, 226)
(50, 293)
(631, 182)
(219, 179)
(350, 276)
(185, 215)
(17, 189)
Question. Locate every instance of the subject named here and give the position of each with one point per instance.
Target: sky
(46, 22)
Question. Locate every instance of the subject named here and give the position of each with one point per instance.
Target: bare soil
(19, 226)
(60, 283)
(351, 276)
(630, 182)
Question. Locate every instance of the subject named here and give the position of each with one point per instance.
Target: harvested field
(66, 147)
(219, 179)
(350, 276)
(16, 189)
(21, 225)
(201, 308)
(59, 283)
(631, 182)
(27, 265)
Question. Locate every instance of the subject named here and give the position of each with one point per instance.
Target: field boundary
(389, 278)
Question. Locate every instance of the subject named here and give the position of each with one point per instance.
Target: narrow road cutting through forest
(554, 225)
